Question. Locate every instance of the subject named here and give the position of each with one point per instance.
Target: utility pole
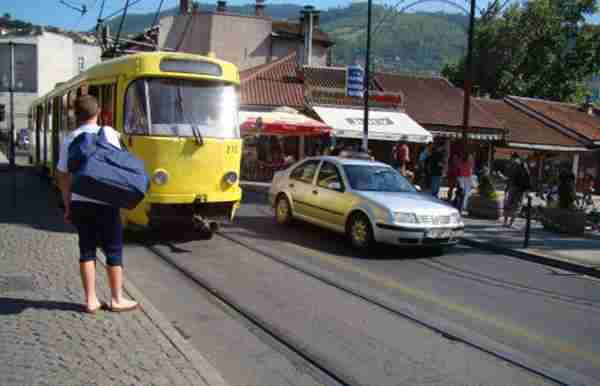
(11, 143)
(468, 82)
(365, 141)
(11, 90)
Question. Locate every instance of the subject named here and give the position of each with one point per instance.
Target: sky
(52, 12)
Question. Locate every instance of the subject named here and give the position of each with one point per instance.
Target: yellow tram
(177, 112)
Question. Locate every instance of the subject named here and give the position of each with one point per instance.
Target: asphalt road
(527, 312)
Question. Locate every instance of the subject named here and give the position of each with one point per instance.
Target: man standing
(519, 183)
(96, 222)
(436, 167)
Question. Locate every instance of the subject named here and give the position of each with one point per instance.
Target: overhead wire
(122, 21)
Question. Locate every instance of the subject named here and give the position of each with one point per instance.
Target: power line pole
(11, 143)
(468, 82)
(365, 141)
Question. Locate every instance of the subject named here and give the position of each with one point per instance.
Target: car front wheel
(359, 231)
(283, 211)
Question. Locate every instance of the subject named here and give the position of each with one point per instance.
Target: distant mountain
(407, 42)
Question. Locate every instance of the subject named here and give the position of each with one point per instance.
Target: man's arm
(64, 184)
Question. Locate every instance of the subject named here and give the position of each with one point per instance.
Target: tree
(7, 16)
(540, 48)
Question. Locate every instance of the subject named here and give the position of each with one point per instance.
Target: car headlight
(231, 178)
(405, 218)
(160, 177)
(455, 218)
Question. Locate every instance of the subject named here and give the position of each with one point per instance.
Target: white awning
(383, 125)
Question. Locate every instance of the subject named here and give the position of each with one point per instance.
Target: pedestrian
(452, 175)
(436, 167)
(465, 176)
(96, 222)
(423, 165)
(401, 156)
(519, 183)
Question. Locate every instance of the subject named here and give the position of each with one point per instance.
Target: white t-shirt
(113, 137)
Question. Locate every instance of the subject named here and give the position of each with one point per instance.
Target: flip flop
(102, 306)
(124, 309)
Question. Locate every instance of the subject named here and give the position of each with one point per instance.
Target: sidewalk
(583, 251)
(46, 338)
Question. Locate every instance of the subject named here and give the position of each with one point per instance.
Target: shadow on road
(13, 306)
(263, 229)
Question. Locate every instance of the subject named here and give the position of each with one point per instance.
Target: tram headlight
(231, 178)
(160, 177)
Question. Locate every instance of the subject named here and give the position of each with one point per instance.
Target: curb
(534, 257)
(207, 372)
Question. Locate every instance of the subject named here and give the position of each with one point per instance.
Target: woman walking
(465, 175)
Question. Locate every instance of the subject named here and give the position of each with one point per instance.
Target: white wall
(57, 62)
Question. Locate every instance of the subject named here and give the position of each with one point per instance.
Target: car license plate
(439, 233)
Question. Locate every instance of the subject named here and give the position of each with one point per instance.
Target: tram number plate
(232, 149)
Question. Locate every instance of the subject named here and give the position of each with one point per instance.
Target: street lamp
(468, 76)
(365, 142)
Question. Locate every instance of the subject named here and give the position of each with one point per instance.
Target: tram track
(316, 367)
(459, 335)
(321, 365)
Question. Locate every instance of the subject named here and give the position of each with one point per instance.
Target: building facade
(53, 58)
(245, 40)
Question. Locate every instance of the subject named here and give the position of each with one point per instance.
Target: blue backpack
(106, 173)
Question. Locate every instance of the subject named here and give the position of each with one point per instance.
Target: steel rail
(313, 362)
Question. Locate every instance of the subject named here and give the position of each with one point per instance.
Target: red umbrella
(282, 122)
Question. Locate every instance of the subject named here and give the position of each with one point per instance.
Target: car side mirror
(418, 188)
(335, 186)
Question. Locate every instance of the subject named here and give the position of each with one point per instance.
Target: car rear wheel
(359, 231)
(283, 211)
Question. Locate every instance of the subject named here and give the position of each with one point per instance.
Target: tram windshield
(182, 108)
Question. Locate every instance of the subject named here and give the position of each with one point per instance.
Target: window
(305, 172)
(182, 108)
(329, 177)
(376, 178)
(81, 63)
(107, 105)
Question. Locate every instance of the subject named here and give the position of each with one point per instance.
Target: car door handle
(315, 192)
(291, 185)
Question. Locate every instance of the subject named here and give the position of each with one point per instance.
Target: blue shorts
(98, 225)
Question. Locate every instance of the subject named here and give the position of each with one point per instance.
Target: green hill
(407, 42)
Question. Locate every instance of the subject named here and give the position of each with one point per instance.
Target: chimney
(260, 8)
(184, 7)
(221, 6)
(307, 15)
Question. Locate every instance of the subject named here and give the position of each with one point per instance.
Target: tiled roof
(524, 128)
(286, 28)
(272, 84)
(434, 101)
(565, 114)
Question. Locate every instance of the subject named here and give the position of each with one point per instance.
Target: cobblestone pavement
(45, 337)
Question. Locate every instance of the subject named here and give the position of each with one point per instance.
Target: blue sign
(355, 81)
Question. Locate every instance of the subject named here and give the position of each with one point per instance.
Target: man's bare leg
(115, 280)
(88, 278)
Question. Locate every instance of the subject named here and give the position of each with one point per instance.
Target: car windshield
(182, 108)
(376, 178)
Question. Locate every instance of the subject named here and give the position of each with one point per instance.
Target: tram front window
(182, 108)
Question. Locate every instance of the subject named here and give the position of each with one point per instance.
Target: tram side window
(136, 118)
(107, 105)
(69, 111)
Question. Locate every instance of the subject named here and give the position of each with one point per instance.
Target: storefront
(275, 139)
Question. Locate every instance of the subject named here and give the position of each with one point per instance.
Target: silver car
(366, 200)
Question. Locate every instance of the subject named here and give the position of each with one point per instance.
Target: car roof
(347, 161)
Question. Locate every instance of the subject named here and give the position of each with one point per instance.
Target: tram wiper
(197, 135)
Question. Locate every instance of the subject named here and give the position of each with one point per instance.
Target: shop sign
(355, 81)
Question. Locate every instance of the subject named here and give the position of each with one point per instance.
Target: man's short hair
(86, 107)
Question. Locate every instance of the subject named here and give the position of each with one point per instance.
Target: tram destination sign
(25, 70)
